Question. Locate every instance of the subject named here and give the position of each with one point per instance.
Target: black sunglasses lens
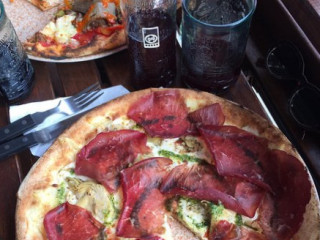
(305, 107)
(285, 62)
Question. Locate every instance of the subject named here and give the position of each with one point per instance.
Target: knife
(25, 123)
(41, 136)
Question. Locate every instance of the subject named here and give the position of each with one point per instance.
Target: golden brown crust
(63, 151)
(100, 43)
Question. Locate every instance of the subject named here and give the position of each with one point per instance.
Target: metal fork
(76, 103)
(67, 106)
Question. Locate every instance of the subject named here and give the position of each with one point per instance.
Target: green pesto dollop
(60, 13)
(61, 193)
(216, 210)
(178, 157)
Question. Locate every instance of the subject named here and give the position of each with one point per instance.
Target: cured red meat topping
(108, 153)
(204, 183)
(281, 215)
(248, 234)
(237, 153)
(161, 114)
(224, 230)
(70, 222)
(144, 206)
(151, 238)
(209, 115)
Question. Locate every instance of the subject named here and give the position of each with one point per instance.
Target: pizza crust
(31, 208)
(99, 44)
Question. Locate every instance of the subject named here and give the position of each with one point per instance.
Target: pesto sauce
(216, 210)
(202, 224)
(136, 127)
(72, 172)
(111, 214)
(61, 193)
(179, 157)
(192, 205)
(60, 13)
(239, 221)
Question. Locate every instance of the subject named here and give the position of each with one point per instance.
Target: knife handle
(16, 128)
(16, 145)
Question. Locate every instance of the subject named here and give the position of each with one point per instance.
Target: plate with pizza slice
(169, 164)
(67, 31)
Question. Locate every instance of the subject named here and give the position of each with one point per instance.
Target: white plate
(79, 59)
(28, 19)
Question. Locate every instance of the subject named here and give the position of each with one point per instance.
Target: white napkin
(19, 111)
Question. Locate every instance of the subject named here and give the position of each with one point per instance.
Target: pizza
(79, 28)
(162, 164)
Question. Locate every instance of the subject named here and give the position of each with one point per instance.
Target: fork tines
(91, 88)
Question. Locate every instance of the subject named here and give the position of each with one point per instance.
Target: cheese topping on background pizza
(79, 28)
(62, 30)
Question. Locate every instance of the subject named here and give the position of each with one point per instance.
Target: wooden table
(63, 79)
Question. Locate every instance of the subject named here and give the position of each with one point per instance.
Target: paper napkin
(19, 111)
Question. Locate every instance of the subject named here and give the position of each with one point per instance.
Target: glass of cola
(214, 38)
(151, 26)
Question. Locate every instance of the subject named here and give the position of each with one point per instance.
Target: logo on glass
(151, 37)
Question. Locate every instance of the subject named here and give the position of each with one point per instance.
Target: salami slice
(161, 114)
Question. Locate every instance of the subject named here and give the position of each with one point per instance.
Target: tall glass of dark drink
(214, 37)
(151, 27)
(16, 71)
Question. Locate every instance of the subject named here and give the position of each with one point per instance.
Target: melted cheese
(194, 216)
(167, 235)
(86, 193)
(49, 30)
(62, 31)
(65, 29)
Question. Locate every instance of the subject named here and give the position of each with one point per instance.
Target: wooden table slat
(77, 76)
(10, 181)
(112, 66)
(42, 89)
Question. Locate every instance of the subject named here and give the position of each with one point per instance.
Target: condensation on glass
(16, 71)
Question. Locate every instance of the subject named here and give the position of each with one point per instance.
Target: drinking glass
(16, 71)
(150, 26)
(214, 37)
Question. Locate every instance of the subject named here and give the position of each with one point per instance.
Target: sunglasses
(285, 62)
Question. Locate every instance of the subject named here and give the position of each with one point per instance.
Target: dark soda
(151, 44)
(212, 57)
(204, 80)
(16, 72)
